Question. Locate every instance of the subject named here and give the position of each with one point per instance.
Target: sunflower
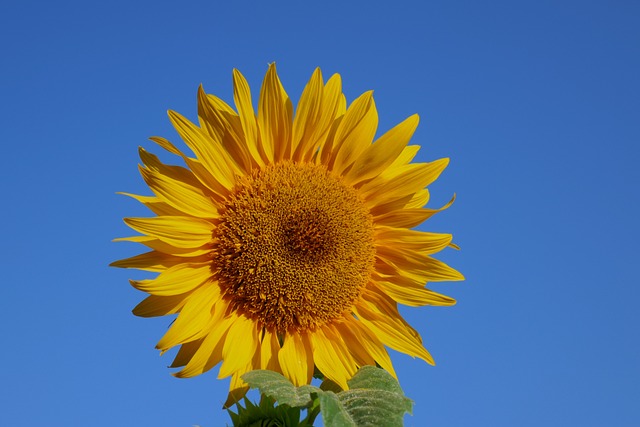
(286, 242)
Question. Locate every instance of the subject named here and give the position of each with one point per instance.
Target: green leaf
(374, 398)
(333, 412)
(370, 407)
(371, 377)
(280, 389)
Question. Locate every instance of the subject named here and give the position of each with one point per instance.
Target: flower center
(294, 247)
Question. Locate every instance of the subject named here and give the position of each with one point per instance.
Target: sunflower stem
(312, 412)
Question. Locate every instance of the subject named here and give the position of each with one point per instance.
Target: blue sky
(536, 103)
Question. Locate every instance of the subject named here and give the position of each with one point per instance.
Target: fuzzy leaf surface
(280, 389)
(374, 398)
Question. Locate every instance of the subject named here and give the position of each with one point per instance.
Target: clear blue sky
(536, 103)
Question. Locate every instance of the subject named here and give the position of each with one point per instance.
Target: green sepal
(264, 414)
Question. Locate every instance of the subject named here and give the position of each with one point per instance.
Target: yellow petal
(240, 345)
(413, 179)
(165, 248)
(387, 324)
(242, 98)
(341, 348)
(209, 353)
(411, 294)
(372, 344)
(154, 306)
(209, 152)
(178, 173)
(405, 157)
(204, 178)
(327, 150)
(388, 239)
(419, 199)
(330, 358)
(307, 115)
(223, 125)
(334, 105)
(194, 318)
(149, 261)
(182, 197)
(381, 154)
(353, 343)
(275, 114)
(224, 108)
(154, 204)
(178, 231)
(269, 349)
(180, 278)
(407, 218)
(355, 133)
(391, 205)
(295, 358)
(233, 135)
(427, 267)
(183, 194)
(233, 130)
(186, 352)
(237, 389)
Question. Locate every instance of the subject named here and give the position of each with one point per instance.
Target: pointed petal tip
(201, 95)
(426, 357)
(136, 312)
(368, 95)
(450, 302)
(236, 74)
(115, 263)
(335, 77)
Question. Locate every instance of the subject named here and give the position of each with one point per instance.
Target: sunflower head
(286, 241)
(295, 246)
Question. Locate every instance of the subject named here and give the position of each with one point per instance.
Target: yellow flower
(286, 242)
